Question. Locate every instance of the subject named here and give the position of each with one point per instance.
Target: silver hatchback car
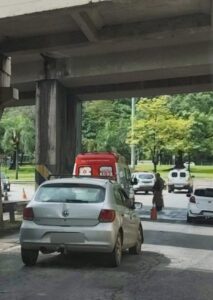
(80, 214)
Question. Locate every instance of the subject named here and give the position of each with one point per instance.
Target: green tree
(18, 133)
(105, 126)
(197, 107)
(156, 128)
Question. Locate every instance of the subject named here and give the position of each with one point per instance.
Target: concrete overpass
(85, 50)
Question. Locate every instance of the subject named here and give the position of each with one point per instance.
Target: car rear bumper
(143, 188)
(203, 214)
(179, 187)
(100, 238)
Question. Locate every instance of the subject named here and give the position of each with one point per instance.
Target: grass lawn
(197, 171)
(27, 172)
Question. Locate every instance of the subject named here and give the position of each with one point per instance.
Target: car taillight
(28, 214)
(192, 199)
(107, 215)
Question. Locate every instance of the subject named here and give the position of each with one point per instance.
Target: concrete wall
(9, 8)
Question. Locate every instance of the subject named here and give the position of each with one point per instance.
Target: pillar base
(7, 95)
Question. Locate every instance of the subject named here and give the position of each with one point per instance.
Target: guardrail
(12, 206)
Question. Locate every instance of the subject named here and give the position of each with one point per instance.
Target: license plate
(66, 238)
(208, 214)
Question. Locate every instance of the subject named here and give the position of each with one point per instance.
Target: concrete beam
(113, 38)
(144, 64)
(86, 25)
(42, 43)
(147, 88)
(192, 22)
(13, 8)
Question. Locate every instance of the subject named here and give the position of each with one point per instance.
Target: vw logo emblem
(65, 213)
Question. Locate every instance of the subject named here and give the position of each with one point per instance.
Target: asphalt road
(176, 263)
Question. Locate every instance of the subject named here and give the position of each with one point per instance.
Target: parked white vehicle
(145, 181)
(180, 179)
(200, 204)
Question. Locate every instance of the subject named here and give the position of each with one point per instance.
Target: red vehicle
(106, 165)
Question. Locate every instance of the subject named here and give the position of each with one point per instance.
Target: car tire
(29, 256)
(188, 219)
(170, 190)
(116, 255)
(136, 250)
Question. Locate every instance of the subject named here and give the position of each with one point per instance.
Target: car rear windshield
(146, 176)
(204, 192)
(70, 193)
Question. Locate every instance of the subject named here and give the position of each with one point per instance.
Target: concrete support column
(58, 130)
(7, 93)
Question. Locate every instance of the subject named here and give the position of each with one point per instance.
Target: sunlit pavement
(175, 204)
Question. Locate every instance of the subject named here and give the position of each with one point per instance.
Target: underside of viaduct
(60, 54)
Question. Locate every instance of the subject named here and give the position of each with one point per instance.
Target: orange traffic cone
(153, 213)
(24, 196)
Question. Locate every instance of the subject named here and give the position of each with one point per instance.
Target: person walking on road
(157, 191)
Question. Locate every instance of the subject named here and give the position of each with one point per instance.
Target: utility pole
(132, 134)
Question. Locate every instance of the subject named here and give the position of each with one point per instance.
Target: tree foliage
(105, 125)
(199, 108)
(156, 128)
(18, 131)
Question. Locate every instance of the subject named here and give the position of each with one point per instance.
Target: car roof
(80, 180)
(138, 173)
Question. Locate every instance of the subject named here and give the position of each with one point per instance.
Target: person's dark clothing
(157, 191)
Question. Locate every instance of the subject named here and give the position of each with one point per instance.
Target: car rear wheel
(29, 256)
(136, 250)
(116, 255)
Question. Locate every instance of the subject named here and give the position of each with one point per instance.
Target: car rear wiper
(75, 201)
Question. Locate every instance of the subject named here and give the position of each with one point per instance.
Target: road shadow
(89, 261)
